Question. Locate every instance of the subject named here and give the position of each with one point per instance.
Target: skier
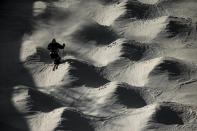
(54, 47)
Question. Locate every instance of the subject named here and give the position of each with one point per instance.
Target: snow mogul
(54, 47)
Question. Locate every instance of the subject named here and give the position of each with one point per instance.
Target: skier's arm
(49, 47)
(61, 46)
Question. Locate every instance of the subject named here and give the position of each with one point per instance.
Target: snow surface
(128, 65)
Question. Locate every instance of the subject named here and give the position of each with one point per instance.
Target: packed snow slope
(128, 65)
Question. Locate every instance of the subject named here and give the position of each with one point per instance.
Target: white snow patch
(39, 7)
(182, 9)
(135, 74)
(136, 120)
(20, 99)
(105, 15)
(28, 48)
(143, 30)
(45, 121)
(149, 1)
(186, 54)
(106, 54)
(66, 3)
(100, 97)
(48, 77)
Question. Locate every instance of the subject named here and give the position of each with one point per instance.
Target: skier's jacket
(54, 47)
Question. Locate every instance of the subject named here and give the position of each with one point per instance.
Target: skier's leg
(58, 62)
(55, 63)
(54, 67)
(57, 66)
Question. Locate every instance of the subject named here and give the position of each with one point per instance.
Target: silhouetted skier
(54, 47)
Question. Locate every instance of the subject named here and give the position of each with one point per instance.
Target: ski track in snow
(127, 65)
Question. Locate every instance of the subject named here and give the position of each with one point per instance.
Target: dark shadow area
(196, 26)
(98, 34)
(174, 69)
(133, 50)
(106, 2)
(168, 116)
(130, 97)
(6, 127)
(10, 118)
(138, 10)
(16, 20)
(74, 121)
(84, 74)
(37, 101)
(178, 26)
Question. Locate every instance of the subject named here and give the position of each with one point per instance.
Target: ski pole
(64, 47)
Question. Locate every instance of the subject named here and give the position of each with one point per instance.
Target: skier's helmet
(54, 41)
